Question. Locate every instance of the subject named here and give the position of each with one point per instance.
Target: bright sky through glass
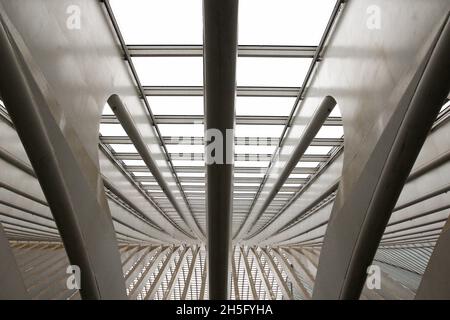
(283, 22)
(159, 21)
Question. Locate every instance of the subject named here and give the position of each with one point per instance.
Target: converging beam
(277, 176)
(220, 52)
(72, 187)
(360, 215)
(127, 122)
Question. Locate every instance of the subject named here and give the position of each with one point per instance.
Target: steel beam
(81, 214)
(150, 268)
(161, 273)
(240, 91)
(175, 274)
(243, 51)
(289, 269)
(263, 275)
(187, 282)
(248, 272)
(127, 122)
(234, 276)
(220, 52)
(358, 221)
(287, 294)
(277, 176)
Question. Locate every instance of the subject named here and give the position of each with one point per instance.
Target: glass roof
(283, 22)
(271, 72)
(159, 21)
(169, 71)
(173, 79)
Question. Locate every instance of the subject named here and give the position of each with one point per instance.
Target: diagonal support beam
(261, 271)
(220, 54)
(277, 175)
(161, 273)
(72, 187)
(248, 272)
(361, 213)
(175, 274)
(151, 267)
(187, 282)
(287, 294)
(289, 269)
(127, 123)
(237, 296)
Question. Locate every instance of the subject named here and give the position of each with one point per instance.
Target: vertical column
(220, 54)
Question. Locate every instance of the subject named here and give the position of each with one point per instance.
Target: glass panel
(272, 72)
(330, 132)
(248, 175)
(240, 184)
(183, 148)
(264, 106)
(191, 174)
(169, 71)
(271, 131)
(134, 162)
(124, 148)
(112, 129)
(249, 164)
(188, 163)
(142, 174)
(182, 130)
(336, 112)
(299, 176)
(107, 110)
(320, 150)
(176, 105)
(307, 164)
(243, 149)
(283, 22)
(159, 21)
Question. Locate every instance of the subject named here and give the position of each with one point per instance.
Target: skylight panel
(248, 175)
(188, 163)
(176, 105)
(271, 131)
(185, 148)
(336, 113)
(124, 148)
(107, 111)
(112, 129)
(142, 174)
(271, 72)
(250, 164)
(243, 149)
(307, 164)
(298, 176)
(245, 184)
(169, 71)
(182, 130)
(149, 183)
(264, 106)
(130, 162)
(191, 174)
(330, 132)
(283, 22)
(319, 150)
(159, 21)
